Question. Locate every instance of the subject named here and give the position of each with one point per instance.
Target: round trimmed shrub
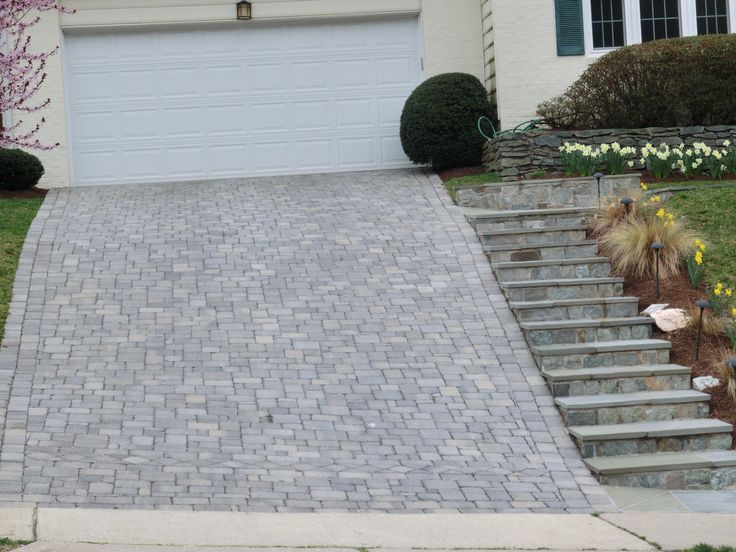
(676, 82)
(438, 124)
(19, 170)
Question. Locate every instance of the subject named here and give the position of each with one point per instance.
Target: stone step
(626, 408)
(572, 288)
(592, 267)
(529, 237)
(543, 252)
(650, 437)
(617, 379)
(570, 309)
(602, 353)
(558, 332)
(484, 220)
(672, 470)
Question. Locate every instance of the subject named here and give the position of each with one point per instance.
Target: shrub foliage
(677, 82)
(438, 124)
(19, 170)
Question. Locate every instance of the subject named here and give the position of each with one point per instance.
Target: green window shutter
(569, 19)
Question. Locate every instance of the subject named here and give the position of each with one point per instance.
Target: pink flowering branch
(22, 71)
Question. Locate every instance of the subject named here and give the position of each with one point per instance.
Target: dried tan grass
(725, 374)
(629, 246)
(613, 214)
(712, 325)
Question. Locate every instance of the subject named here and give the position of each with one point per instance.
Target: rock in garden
(670, 320)
(651, 309)
(705, 382)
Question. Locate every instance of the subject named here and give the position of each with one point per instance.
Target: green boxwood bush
(676, 82)
(438, 124)
(19, 170)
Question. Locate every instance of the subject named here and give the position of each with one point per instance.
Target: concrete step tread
(602, 347)
(561, 282)
(522, 305)
(553, 262)
(586, 402)
(525, 246)
(656, 429)
(522, 231)
(476, 214)
(662, 461)
(615, 372)
(587, 323)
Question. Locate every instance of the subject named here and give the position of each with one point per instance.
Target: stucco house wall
(527, 67)
(453, 40)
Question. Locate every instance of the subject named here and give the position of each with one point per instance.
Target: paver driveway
(295, 343)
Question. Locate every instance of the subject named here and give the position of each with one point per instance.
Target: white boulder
(670, 320)
(705, 382)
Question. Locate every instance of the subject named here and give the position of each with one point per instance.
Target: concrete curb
(677, 531)
(324, 530)
(18, 521)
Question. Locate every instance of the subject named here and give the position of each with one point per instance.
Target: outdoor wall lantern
(245, 11)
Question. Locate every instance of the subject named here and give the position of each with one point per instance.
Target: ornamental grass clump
(725, 372)
(614, 213)
(629, 244)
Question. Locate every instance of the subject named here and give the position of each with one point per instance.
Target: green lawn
(6, 544)
(16, 216)
(708, 548)
(469, 181)
(704, 183)
(712, 214)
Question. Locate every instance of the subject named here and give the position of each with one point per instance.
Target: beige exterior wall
(453, 39)
(528, 70)
(489, 52)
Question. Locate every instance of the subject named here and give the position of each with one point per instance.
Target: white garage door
(241, 100)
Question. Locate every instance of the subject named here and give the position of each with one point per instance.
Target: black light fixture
(627, 202)
(702, 304)
(657, 247)
(598, 176)
(245, 11)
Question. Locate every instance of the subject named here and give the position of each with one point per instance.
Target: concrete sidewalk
(67, 530)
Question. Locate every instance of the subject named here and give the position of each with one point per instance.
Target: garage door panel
(139, 124)
(187, 161)
(271, 156)
(395, 71)
(141, 163)
(311, 115)
(224, 81)
(96, 127)
(308, 75)
(239, 100)
(313, 154)
(181, 82)
(185, 121)
(137, 84)
(230, 159)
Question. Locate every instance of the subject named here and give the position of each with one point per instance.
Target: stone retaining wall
(517, 155)
(581, 192)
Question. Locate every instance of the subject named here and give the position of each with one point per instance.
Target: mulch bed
(678, 292)
(23, 194)
(462, 171)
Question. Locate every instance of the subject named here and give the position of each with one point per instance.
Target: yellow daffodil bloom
(661, 213)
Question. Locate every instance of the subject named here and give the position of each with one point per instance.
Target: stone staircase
(632, 413)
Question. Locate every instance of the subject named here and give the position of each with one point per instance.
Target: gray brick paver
(279, 344)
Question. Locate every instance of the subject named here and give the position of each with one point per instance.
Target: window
(712, 16)
(659, 19)
(608, 23)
